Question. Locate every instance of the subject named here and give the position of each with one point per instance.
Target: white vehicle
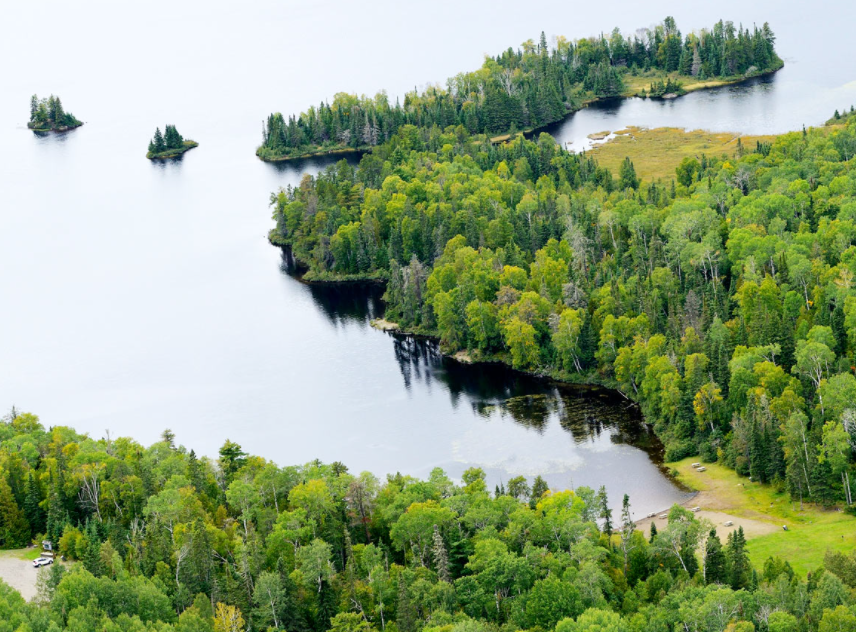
(42, 561)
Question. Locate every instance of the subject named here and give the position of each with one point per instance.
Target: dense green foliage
(164, 541)
(170, 143)
(48, 114)
(525, 89)
(724, 303)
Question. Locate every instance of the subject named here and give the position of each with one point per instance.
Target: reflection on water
(493, 390)
(340, 302)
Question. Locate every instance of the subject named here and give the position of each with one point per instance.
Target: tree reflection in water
(495, 391)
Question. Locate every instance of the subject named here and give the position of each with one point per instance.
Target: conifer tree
(14, 529)
(158, 142)
(605, 511)
(739, 570)
(539, 488)
(441, 557)
(33, 511)
(715, 562)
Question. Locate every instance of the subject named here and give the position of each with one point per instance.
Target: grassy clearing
(811, 530)
(657, 152)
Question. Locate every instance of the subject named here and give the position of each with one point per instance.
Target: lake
(139, 296)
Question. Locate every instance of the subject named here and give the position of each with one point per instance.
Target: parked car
(42, 561)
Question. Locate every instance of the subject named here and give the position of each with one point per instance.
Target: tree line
(723, 302)
(162, 540)
(525, 89)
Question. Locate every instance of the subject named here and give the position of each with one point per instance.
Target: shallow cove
(140, 295)
(508, 422)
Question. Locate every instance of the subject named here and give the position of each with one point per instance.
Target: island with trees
(48, 115)
(170, 144)
(161, 539)
(534, 86)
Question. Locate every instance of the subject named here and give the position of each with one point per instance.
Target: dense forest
(723, 301)
(158, 539)
(49, 115)
(528, 88)
(168, 144)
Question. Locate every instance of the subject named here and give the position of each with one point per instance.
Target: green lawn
(812, 529)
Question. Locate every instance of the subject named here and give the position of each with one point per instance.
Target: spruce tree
(158, 142)
(605, 511)
(740, 572)
(33, 511)
(441, 557)
(539, 488)
(715, 562)
(627, 175)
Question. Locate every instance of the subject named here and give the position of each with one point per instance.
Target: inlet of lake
(140, 296)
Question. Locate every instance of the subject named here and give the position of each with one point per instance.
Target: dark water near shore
(136, 296)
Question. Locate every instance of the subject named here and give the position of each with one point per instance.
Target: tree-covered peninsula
(169, 144)
(722, 301)
(534, 86)
(158, 539)
(48, 115)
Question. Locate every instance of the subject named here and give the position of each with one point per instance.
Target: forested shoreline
(157, 539)
(722, 301)
(532, 87)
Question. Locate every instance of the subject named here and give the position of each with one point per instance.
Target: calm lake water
(140, 296)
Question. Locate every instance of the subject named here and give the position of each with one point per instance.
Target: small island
(48, 115)
(169, 144)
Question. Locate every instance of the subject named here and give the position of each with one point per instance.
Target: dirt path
(18, 572)
(710, 505)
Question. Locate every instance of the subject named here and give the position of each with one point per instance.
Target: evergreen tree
(627, 175)
(605, 511)
(32, 509)
(158, 145)
(539, 488)
(739, 570)
(441, 557)
(715, 561)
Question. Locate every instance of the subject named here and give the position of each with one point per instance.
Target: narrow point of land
(384, 325)
(187, 145)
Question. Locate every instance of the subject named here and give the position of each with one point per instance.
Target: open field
(656, 152)
(763, 511)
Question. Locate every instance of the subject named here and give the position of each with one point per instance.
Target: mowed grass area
(657, 152)
(811, 530)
